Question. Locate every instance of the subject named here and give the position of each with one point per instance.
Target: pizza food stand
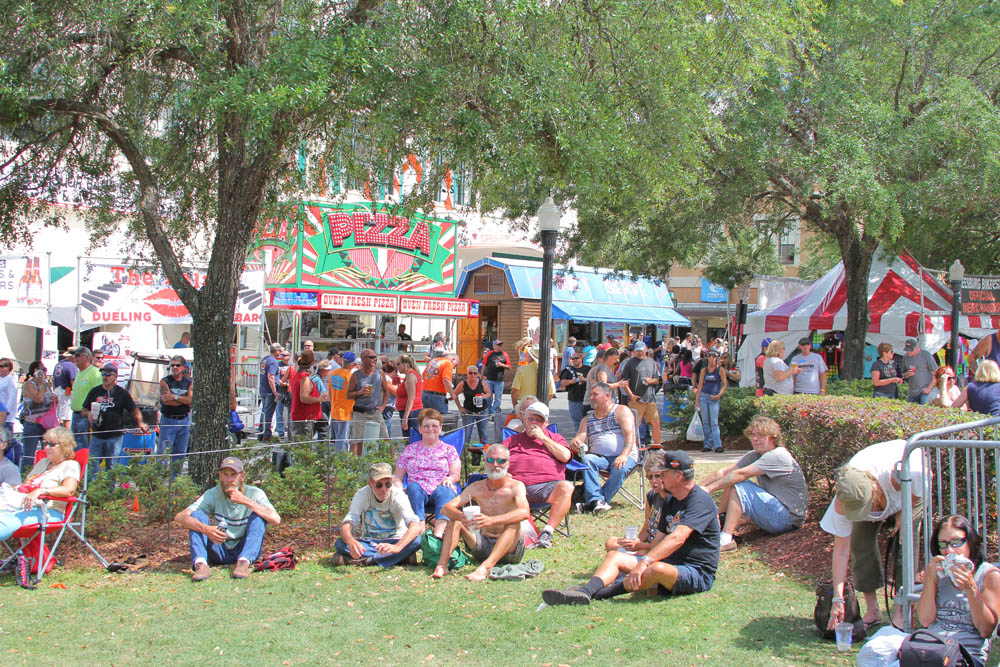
(345, 275)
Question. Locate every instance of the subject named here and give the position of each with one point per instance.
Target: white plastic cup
(631, 532)
(470, 512)
(844, 632)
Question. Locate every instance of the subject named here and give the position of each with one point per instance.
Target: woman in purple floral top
(432, 470)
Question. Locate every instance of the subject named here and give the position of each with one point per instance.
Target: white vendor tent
(904, 301)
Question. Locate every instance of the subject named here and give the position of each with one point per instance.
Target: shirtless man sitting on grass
(502, 507)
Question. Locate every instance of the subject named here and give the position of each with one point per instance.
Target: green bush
(860, 388)
(736, 409)
(823, 432)
(113, 492)
(320, 479)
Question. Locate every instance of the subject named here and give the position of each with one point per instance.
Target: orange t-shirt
(340, 406)
(436, 370)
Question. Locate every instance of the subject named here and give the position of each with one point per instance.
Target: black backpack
(926, 649)
(852, 611)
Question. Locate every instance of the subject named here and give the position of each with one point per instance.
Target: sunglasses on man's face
(496, 462)
(384, 484)
(107, 373)
(177, 365)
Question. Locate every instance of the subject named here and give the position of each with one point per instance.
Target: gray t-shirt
(592, 380)
(783, 479)
(954, 617)
(772, 382)
(924, 365)
(9, 472)
(379, 521)
(810, 365)
(636, 371)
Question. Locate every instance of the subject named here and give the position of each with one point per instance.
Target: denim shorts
(763, 508)
(690, 580)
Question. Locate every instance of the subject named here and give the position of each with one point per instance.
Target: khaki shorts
(645, 411)
(484, 547)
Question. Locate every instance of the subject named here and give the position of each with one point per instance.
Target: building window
(488, 283)
(788, 244)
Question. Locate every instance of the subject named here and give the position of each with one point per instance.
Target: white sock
(548, 529)
(725, 538)
(200, 561)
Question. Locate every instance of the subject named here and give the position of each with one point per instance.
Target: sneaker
(338, 560)
(201, 572)
(601, 506)
(242, 570)
(544, 540)
(728, 546)
(582, 508)
(719, 450)
(569, 596)
(706, 449)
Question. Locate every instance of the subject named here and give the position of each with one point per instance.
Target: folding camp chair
(639, 500)
(540, 511)
(36, 533)
(456, 439)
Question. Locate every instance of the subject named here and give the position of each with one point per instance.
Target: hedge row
(823, 432)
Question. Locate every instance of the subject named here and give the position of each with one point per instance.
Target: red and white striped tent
(904, 301)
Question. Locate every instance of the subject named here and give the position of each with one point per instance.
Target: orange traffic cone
(135, 504)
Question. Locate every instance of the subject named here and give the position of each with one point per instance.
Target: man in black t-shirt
(685, 553)
(573, 379)
(105, 407)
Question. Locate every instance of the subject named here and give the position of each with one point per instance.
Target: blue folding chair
(456, 439)
(540, 511)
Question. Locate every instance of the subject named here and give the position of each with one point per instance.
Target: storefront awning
(585, 294)
(603, 312)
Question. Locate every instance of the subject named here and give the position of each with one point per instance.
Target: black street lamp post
(955, 273)
(548, 224)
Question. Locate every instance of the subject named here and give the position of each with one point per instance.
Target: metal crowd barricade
(977, 446)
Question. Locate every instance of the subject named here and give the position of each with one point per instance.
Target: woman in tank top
(475, 402)
(408, 401)
(711, 386)
(982, 395)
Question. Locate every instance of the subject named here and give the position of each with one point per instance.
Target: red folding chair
(35, 535)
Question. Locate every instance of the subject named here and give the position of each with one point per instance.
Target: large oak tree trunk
(857, 257)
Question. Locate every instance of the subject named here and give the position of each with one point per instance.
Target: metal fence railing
(963, 461)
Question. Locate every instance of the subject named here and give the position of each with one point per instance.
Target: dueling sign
(981, 295)
(361, 247)
(118, 294)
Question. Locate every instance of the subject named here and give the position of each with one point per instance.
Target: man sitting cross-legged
(494, 533)
(380, 527)
(685, 552)
(538, 459)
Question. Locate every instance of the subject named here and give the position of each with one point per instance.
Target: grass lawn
(316, 613)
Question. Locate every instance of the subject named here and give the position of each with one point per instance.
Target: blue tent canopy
(586, 294)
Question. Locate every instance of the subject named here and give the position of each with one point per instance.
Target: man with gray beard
(487, 516)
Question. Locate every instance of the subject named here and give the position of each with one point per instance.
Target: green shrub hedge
(823, 432)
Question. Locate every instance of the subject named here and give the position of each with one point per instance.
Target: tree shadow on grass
(784, 636)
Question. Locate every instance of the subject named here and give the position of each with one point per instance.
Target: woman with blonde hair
(778, 377)
(983, 394)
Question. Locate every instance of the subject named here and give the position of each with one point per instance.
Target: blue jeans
(11, 521)
(418, 499)
(281, 410)
(763, 509)
(30, 438)
(387, 414)
(339, 433)
(469, 420)
(435, 401)
(411, 423)
(576, 414)
(710, 421)
(592, 489)
(217, 554)
(107, 448)
(174, 437)
(920, 399)
(370, 552)
(268, 405)
(81, 431)
(496, 388)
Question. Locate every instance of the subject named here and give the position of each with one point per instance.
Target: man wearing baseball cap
(538, 459)
(380, 527)
(227, 523)
(685, 553)
(812, 378)
(868, 493)
(495, 365)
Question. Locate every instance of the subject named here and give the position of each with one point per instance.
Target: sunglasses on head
(383, 484)
(954, 544)
(496, 462)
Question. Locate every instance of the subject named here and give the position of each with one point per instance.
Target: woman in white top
(55, 476)
(778, 377)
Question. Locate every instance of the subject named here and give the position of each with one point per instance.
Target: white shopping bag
(695, 432)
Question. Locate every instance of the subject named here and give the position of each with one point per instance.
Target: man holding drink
(493, 533)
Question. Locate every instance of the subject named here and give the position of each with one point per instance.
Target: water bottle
(223, 524)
